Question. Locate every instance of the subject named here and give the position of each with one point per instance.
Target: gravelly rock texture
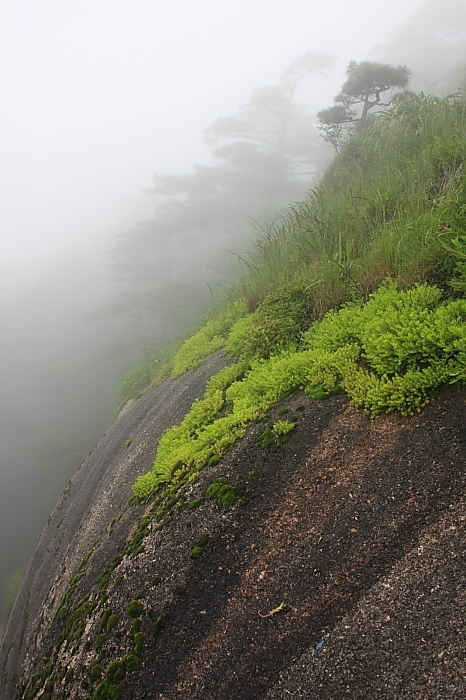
(95, 495)
(358, 527)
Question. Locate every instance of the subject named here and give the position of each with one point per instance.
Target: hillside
(300, 532)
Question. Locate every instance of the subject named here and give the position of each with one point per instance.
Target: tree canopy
(361, 92)
(266, 157)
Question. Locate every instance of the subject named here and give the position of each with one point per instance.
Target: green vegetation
(175, 359)
(130, 661)
(112, 620)
(366, 81)
(356, 289)
(392, 353)
(94, 670)
(197, 551)
(159, 625)
(222, 492)
(276, 325)
(359, 289)
(135, 608)
(277, 435)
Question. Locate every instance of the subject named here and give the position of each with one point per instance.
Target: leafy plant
(195, 553)
(94, 670)
(135, 608)
(277, 435)
(221, 491)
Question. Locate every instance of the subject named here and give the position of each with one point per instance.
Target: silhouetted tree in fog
(366, 81)
(267, 156)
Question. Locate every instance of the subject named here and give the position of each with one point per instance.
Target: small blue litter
(320, 645)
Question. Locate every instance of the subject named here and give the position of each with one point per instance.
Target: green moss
(135, 608)
(194, 504)
(135, 545)
(104, 578)
(112, 620)
(253, 475)
(196, 553)
(138, 643)
(156, 581)
(99, 642)
(222, 492)
(94, 670)
(116, 671)
(159, 625)
(277, 435)
(131, 662)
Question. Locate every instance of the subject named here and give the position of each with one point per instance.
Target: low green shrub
(107, 691)
(389, 354)
(131, 661)
(210, 337)
(196, 553)
(276, 325)
(94, 670)
(116, 671)
(392, 353)
(112, 620)
(222, 492)
(104, 619)
(159, 625)
(195, 350)
(135, 608)
(277, 435)
(99, 641)
(138, 643)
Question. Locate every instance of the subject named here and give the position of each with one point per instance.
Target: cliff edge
(330, 567)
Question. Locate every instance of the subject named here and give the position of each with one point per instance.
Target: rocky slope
(355, 530)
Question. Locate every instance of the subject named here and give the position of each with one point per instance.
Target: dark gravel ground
(405, 638)
(356, 526)
(350, 527)
(96, 494)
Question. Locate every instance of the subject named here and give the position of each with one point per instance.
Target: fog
(97, 97)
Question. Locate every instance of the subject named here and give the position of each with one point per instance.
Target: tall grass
(377, 212)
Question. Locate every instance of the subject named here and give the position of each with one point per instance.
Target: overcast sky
(98, 94)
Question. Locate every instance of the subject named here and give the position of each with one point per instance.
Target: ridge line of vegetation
(359, 289)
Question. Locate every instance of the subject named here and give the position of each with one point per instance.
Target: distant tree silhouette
(362, 91)
(266, 157)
